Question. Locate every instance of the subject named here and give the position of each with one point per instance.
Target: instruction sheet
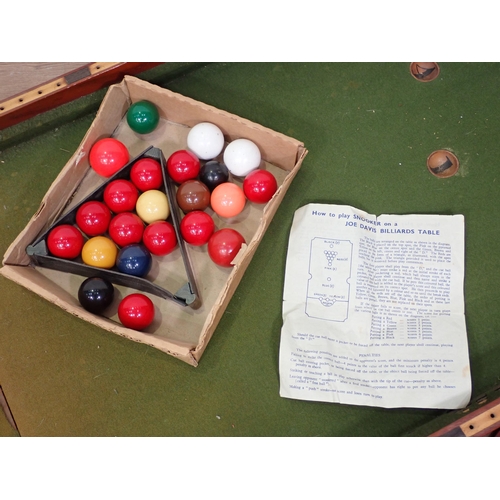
(373, 310)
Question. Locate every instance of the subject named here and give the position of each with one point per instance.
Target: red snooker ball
(259, 186)
(197, 227)
(136, 311)
(160, 238)
(126, 228)
(183, 166)
(146, 174)
(65, 241)
(93, 218)
(224, 245)
(107, 156)
(121, 195)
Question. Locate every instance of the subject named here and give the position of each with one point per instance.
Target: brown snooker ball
(193, 195)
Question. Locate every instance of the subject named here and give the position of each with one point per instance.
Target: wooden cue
(66, 88)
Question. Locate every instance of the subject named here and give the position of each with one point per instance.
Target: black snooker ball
(213, 173)
(96, 294)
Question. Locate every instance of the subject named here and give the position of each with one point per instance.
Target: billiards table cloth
(369, 128)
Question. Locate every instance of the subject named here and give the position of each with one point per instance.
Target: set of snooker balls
(123, 230)
(130, 224)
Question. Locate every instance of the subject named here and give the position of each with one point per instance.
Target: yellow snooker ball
(99, 252)
(152, 206)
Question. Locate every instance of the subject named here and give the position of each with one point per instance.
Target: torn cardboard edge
(280, 151)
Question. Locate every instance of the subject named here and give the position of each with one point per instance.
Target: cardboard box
(180, 331)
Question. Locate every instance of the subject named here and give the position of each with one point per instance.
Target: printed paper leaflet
(373, 309)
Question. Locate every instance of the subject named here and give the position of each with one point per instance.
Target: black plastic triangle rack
(187, 295)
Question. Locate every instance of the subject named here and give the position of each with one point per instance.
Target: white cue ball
(205, 140)
(241, 156)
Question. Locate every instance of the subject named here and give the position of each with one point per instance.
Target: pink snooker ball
(227, 200)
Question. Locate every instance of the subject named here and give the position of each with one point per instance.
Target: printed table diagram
(328, 285)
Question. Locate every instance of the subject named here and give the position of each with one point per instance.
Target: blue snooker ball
(134, 259)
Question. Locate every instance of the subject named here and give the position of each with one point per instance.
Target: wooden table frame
(68, 87)
(482, 422)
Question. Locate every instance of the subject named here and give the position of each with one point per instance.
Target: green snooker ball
(143, 117)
